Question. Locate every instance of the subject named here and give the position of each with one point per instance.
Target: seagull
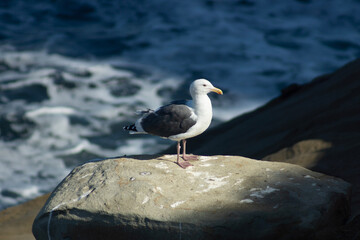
(179, 120)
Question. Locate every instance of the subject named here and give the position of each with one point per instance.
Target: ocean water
(72, 73)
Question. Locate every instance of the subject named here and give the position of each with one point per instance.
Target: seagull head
(203, 86)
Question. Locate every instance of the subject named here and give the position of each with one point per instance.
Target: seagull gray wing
(169, 120)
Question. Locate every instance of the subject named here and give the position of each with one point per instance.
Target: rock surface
(316, 125)
(220, 197)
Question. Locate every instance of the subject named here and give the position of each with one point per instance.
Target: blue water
(72, 73)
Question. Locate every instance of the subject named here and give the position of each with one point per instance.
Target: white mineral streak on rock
(146, 199)
(85, 194)
(205, 165)
(206, 158)
(157, 190)
(239, 181)
(212, 182)
(161, 165)
(260, 193)
(174, 205)
(247, 200)
(64, 203)
(308, 176)
(196, 174)
(85, 176)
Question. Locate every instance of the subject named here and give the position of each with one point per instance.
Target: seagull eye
(204, 85)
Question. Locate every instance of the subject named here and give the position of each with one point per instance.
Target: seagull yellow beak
(217, 90)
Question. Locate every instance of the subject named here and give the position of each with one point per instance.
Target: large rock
(315, 125)
(220, 197)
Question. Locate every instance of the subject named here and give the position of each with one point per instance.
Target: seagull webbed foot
(184, 164)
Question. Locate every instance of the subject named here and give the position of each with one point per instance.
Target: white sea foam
(50, 110)
(68, 116)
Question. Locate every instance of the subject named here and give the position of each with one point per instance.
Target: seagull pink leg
(188, 157)
(183, 164)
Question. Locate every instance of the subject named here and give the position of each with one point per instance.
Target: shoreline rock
(222, 197)
(315, 125)
(16, 222)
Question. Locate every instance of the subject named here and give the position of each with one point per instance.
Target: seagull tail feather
(132, 129)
